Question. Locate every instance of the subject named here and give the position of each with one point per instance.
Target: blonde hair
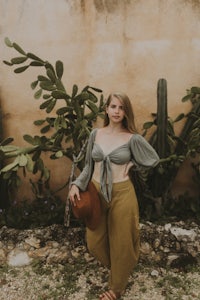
(129, 120)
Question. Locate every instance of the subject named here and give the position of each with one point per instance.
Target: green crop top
(137, 150)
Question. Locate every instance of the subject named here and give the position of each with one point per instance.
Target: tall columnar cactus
(158, 178)
(160, 139)
(162, 145)
(164, 140)
(172, 149)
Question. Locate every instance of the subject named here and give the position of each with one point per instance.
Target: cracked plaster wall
(111, 44)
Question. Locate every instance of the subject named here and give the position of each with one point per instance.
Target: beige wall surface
(124, 45)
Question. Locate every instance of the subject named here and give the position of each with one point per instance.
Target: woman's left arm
(144, 155)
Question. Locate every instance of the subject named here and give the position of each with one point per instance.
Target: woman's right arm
(81, 182)
(74, 194)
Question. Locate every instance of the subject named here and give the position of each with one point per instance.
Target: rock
(156, 243)
(88, 257)
(171, 258)
(166, 250)
(39, 253)
(145, 248)
(75, 254)
(2, 256)
(183, 234)
(18, 258)
(57, 257)
(55, 244)
(157, 257)
(155, 273)
(178, 246)
(159, 244)
(32, 241)
(167, 226)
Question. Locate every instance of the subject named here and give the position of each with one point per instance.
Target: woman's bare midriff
(119, 172)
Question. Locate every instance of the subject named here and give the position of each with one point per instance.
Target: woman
(111, 151)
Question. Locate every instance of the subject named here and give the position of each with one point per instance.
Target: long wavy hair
(129, 120)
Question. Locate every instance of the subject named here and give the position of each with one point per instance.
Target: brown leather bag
(88, 209)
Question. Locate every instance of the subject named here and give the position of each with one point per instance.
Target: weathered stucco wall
(122, 45)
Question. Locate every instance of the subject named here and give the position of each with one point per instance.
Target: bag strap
(74, 165)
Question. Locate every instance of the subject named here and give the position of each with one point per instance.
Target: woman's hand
(74, 194)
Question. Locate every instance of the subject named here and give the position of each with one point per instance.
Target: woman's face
(115, 110)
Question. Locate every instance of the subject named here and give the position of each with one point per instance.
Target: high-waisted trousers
(115, 242)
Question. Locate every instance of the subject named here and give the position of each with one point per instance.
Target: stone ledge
(174, 245)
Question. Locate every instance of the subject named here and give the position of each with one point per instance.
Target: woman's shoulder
(137, 138)
(94, 130)
(93, 133)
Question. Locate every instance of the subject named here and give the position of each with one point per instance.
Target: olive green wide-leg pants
(115, 242)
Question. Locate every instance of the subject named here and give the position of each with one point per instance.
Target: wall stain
(195, 5)
(99, 5)
(111, 6)
(83, 5)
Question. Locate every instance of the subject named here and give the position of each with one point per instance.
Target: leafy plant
(172, 149)
(68, 126)
(3, 181)
(189, 137)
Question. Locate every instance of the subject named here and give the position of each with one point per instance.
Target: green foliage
(3, 181)
(68, 127)
(154, 187)
(189, 142)
(46, 209)
(162, 142)
(183, 207)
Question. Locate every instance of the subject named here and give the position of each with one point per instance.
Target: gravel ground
(85, 280)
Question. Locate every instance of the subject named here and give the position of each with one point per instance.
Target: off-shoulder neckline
(115, 149)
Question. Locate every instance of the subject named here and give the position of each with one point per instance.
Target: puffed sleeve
(144, 155)
(83, 179)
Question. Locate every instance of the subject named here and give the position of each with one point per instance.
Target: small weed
(27, 274)
(143, 289)
(45, 287)
(174, 287)
(40, 268)
(92, 295)
(4, 269)
(70, 277)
